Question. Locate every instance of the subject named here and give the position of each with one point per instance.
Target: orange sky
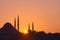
(44, 13)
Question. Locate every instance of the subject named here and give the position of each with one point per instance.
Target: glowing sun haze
(44, 13)
(25, 32)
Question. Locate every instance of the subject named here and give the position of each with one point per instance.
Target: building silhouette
(9, 32)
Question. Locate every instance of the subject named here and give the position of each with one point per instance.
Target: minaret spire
(28, 26)
(18, 23)
(15, 22)
(32, 26)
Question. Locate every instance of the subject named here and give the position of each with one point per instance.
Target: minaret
(15, 23)
(32, 26)
(28, 27)
(18, 23)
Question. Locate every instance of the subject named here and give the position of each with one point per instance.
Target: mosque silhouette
(10, 32)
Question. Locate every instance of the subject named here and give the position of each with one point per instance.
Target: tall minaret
(32, 26)
(15, 23)
(28, 27)
(18, 23)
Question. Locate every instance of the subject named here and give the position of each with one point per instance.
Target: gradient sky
(44, 13)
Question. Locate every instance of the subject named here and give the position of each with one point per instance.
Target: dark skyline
(9, 32)
(29, 19)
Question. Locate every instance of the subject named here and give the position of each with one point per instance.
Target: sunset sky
(44, 13)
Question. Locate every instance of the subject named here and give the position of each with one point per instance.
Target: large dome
(8, 32)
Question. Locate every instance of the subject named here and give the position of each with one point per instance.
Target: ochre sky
(44, 13)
